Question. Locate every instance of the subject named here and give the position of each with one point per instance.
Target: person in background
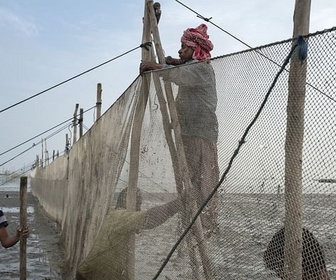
(196, 104)
(10, 240)
(107, 258)
(313, 259)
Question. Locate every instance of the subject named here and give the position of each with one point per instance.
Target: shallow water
(43, 250)
(247, 222)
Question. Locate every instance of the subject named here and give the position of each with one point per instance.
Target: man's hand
(173, 61)
(22, 232)
(149, 65)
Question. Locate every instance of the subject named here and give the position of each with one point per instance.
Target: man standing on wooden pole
(293, 149)
(196, 46)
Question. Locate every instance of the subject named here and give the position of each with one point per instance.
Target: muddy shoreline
(44, 252)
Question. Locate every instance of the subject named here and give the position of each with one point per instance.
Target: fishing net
(250, 204)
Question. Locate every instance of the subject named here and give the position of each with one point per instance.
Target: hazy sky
(43, 43)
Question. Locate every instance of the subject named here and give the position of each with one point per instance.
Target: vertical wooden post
(67, 144)
(74, 123)
(293, 149)
(135, 146)
(46, 159)
(37, 161)
(23, 224)
(99, 100)
(80, 122)
(42, 154)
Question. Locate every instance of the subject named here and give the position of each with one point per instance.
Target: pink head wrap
(198, 39)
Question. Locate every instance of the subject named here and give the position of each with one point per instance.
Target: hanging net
(239, 233)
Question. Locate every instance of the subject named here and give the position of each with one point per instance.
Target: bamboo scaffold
(170, 122)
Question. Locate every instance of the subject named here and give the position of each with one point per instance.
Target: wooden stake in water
(23, 224)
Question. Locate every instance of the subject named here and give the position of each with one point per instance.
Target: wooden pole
(135, 146)
(74, 123)
(293, 149)
(46, 153)
(42, 154)
(99, 100)
(23, 224)
(37, 162)
(80, 122)
(67, 144)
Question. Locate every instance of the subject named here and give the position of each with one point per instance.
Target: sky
(44, 43)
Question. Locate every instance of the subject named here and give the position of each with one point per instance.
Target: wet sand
(44, 254)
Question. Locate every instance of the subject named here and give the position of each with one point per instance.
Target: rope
(209, 20)
(34, 145)
(146, 45)
(18, 173)
(71, 119)
(299, 43)
(256, 49)
(70, 79)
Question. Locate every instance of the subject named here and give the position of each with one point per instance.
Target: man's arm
(159, 214)
(173, 61)
(324, 275)
(149, 65)
(9, 241)
(6, 240)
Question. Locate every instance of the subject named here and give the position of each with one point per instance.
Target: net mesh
(248, 240)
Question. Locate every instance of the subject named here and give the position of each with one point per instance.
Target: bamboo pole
(178, 177)
(46, 153)
(23, 224)
(183, 172)
(74, 123)
(293, 150)
(42, 159)
(80, 122)
(37, 161)
(135, 146)
(67, 146)
(99, 100)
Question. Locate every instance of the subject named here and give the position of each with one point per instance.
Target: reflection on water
(11, 186)
(30, 210)
(38, 263)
